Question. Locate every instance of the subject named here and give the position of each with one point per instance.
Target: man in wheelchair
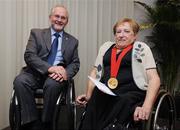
(126, 67)
(52, 59)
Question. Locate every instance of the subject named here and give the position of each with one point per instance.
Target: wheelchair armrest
(38, 93)
(70, 97)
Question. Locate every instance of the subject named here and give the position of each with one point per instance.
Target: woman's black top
(124, 76)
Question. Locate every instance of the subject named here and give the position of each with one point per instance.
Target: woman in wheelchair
(126, 67)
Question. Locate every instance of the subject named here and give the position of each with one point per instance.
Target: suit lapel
(64, 42)
(47, 38)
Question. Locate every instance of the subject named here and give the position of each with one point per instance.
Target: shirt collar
(53, 32)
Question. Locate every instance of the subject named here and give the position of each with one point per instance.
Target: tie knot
(56, 35)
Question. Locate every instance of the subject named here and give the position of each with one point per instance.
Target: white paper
(102, 86)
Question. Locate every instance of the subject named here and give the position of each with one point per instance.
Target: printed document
(102, 86)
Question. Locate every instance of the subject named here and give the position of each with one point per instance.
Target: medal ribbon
(115, 65)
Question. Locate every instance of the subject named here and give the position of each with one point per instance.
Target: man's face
(58, 19)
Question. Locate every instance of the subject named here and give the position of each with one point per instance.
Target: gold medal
(115, 65)
(112, 83)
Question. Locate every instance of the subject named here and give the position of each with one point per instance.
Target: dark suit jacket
(38, 48)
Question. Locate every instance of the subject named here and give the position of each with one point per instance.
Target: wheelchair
(162, 116)
(66, 99)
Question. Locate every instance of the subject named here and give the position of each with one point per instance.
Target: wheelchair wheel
(71, 105)
(57, 112)
(14, 113)
(163, 114)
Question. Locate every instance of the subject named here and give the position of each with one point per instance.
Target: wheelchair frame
(152, 123)
(66, 97)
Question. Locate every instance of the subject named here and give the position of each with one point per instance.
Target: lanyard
(115, 65)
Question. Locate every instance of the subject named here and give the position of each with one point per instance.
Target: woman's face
(124, 35)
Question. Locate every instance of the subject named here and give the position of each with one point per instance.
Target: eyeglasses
(60, 17)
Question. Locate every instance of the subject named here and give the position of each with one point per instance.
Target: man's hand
(57, 77)
(57, 73)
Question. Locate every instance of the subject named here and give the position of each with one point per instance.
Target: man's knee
(51, 85)
(18, 82)
(23, 81)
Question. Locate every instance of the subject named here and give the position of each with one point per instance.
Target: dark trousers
(25, 85)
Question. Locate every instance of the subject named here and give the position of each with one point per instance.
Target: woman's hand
(141, 113)
(81, 100)
(84, 98)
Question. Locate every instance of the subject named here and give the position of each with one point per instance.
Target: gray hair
(58, 6)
